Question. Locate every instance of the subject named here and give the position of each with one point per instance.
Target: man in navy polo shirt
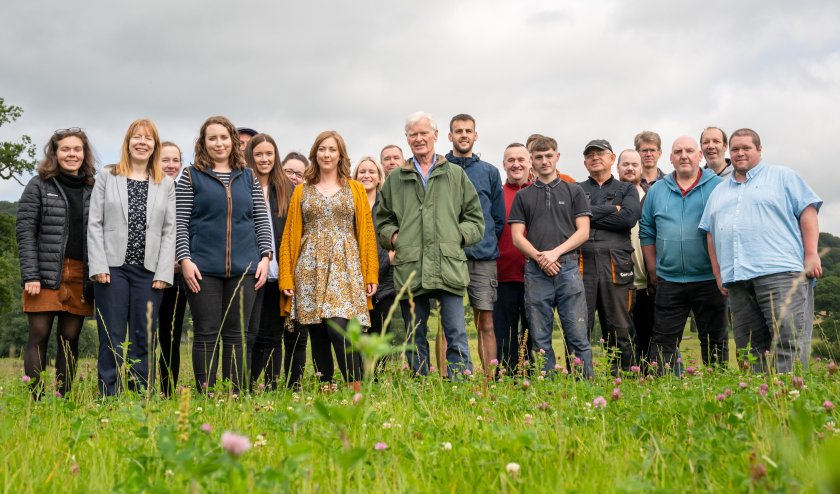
(555, 215)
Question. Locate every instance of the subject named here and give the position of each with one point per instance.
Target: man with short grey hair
(428, 212)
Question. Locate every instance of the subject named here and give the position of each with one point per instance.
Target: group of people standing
(270, 254)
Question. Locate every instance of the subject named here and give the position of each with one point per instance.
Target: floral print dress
(328, 275)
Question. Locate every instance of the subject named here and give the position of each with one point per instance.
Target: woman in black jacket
(266, 330)
(51, 234)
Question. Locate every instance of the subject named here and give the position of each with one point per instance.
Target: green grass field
(714, 431)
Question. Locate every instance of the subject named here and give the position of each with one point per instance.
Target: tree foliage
(16, 158)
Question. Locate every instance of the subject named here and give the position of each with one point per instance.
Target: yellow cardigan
(290, 245)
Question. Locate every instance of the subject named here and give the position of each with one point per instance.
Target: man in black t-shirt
(555, 215)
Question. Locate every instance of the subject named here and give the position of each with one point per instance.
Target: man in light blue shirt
(762, 230)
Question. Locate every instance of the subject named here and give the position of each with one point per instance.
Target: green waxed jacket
(434, 224)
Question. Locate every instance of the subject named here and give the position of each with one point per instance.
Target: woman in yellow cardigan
(328, 257)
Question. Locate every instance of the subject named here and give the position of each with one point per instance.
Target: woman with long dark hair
(267, 336)
(224, 247)
(51, 234)
(328, 263)
(131, 251)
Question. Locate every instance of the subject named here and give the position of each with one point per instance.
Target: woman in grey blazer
(131, 253)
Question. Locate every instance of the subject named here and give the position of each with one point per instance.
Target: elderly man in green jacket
(428, 212)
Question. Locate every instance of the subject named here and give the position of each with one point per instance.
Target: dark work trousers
(509, 323)
(272, 339)
(612, 296)
(218, 327)
(170, 324)
(123, 314)
(673, 303)
(251, 336)
(643, 323)
(324, 339)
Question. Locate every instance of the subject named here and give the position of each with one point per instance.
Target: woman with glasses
(328, 263)
(224, 246)
(266, 333)
(51, 234)
(294, 165)
(174, 302)
(131, 250)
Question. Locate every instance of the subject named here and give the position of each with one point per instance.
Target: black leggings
(67, 337)
(272, 339)
(349, 362)
(170, 325)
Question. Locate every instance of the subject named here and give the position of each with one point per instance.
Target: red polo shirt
(510, 266)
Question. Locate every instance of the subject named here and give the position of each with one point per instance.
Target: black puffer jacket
(42, 233)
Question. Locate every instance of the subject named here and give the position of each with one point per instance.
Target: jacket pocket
(453, 266)
(622, 266)
(406, 260)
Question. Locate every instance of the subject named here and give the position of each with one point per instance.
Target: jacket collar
(463, 162)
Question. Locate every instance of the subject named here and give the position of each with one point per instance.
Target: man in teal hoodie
(677, 259)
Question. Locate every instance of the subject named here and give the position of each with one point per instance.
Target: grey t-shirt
(549, 212)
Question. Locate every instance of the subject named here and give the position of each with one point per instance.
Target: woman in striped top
(224, 246)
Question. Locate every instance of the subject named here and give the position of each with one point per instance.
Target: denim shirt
(755, 223)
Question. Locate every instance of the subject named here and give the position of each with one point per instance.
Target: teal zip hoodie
(670, 221)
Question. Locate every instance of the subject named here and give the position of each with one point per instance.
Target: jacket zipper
(228, 234)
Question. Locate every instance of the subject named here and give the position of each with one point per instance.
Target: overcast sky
(572, 70)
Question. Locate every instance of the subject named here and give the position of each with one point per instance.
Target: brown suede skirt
(69, 297)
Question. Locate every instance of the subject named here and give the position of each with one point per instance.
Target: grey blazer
(107, 232)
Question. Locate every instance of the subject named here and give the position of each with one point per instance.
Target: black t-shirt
(549, 212)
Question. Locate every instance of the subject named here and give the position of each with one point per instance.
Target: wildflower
(829, 406)
(168, 473)
(721, 397)
(601, 341)
(260, 441)
(512, 469)
(494, 362)
(794, 394)
(204, 385)
(104, 421)
(58, 394)
(479, 418)
(557, 367)
(599, 402)
(431, 368)
(472, 401)
(797, 382)
(526, 362)
(318, 374)
(235, 444)
(357, 398)
(386, 425)
(635, 369)
(564, 371)
(25, 379)
(380, 446)
(727, 392)
(616, 394)
(654, 364)
(617, 381)
(542, 351)
(206, 428)
(577, 361)
(667, 365)
(526, 384)
(758, 471)
(543, 406)
(74, 468)
(447, 446)
(832, 367)
(742, 385)
(529, 419)
(467, 372)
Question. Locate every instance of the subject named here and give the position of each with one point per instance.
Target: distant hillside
(7, 207)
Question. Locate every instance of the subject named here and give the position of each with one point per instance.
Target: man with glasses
(649, 146)
(607, 258)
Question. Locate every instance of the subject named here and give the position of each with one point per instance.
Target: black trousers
(323, 337)
(509, 323)
(271, 339)
(170, 326)
(673, 303)
(643, 311)
(221, 313)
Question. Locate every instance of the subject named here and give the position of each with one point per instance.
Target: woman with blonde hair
(328, 261)
(51, 234)
(131, 251)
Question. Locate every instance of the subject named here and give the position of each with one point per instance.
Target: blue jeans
(564, 293)
(454, 330)
(773, 313)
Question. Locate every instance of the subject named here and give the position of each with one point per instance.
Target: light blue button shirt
(424, 178)
(755, 223)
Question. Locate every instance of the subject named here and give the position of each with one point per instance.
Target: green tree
(16, 158)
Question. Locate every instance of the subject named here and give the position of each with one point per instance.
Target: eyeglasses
(292, 173)
(593, 153)
(71, 130)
